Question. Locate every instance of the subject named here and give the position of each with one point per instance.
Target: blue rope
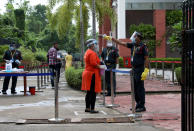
(118, 71)
(27, 74)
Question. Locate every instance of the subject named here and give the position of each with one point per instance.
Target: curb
(78, 121)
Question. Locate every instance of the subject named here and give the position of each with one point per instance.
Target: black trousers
(91, 95)
(139, 88)
(108, 82)
(6, 83)
(52, 69)
(58, 70)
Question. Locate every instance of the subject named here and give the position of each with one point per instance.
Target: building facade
(140, 11)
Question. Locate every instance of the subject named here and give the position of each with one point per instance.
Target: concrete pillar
(121, 25)
(159, 21)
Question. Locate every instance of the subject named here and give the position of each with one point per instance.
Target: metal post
(149, 69)
(156, 68)
(38, 77)
(44, 75)
(132, 92)
(172, 72)
(112, 92)
(48, 75)
(56, 119)
(163, 70)
(41, 77)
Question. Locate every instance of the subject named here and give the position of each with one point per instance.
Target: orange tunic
(91, 61)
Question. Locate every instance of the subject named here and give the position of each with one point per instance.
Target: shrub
(41, 56)
(74, 77)
(27, 55)
(178, 74)
(121, 62)
(3, 48)
(166, 65)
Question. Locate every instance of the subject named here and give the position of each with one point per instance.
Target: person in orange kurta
(91, 79)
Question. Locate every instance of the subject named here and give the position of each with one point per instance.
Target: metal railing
(187, 112)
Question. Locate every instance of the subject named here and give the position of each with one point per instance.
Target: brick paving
(163, 110)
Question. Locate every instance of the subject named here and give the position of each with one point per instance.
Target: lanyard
(134, 50)
(108, 52)
(12, 54)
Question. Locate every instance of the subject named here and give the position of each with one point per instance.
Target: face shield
(94, 42)
(132, 38)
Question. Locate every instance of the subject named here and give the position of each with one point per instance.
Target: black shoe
(108, 95)
(87, 110)
(14, 92)
(94, 111)
(140, 109)
(4, 92)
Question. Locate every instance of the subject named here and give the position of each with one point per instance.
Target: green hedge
(166, 65)
(74, 77)
(41, 56)
(178, 74)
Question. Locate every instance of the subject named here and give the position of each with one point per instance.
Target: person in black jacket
(110, 57)
(14, 56)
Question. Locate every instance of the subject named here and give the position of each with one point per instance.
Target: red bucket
(32, 90)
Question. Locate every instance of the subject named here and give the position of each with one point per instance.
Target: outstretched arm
(119, 42)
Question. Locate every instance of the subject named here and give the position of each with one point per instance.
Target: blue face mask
(11, 48)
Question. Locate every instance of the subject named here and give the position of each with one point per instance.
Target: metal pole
(41, 77)
(172, 72)
(163, 70)
(56, 119)
(47, 72)
(38, 77)
(112, 92)
(132, 92)
(44, 75)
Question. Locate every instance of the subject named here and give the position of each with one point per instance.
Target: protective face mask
(109, 44)
(11, 48)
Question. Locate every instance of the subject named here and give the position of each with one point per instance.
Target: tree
(61, 19)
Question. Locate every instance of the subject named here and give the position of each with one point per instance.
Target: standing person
(14, 56)
(52, 60)
(91, 79)
(139, 61)
(59, 64)
(110, 57)
(68, 59)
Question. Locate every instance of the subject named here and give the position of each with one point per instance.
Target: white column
(121, 25)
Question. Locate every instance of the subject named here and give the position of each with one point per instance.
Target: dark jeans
(108, 82)
(91, 95)
(58, 70)
(6, 83)
(52, 69)
(139, 88)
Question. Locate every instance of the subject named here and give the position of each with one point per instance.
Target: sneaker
(140, 109)
(14, 92)
(94, 111)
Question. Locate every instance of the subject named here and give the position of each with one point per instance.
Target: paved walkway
(72, 105)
